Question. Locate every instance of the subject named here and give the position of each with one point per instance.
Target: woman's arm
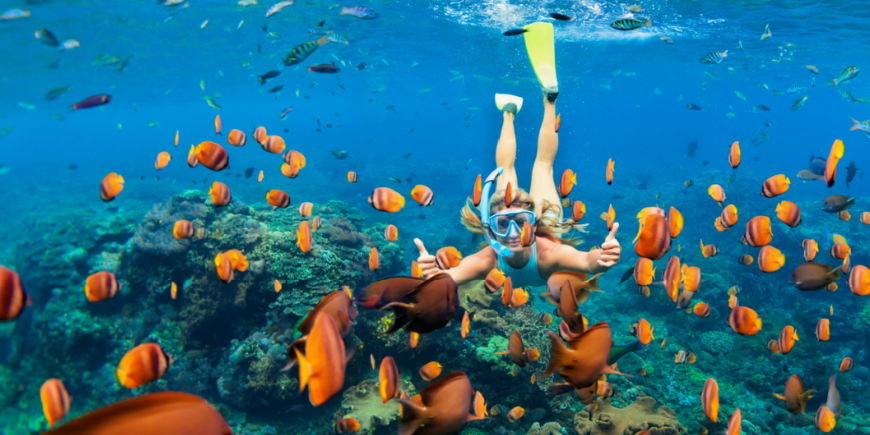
(472, 267)
(592, 262)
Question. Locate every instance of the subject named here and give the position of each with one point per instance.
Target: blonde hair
(547, 226)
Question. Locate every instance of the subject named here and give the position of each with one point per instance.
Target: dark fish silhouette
(514, 32)
(851, 170)
(817, 165)
(560, 17)
(249, 172)
(269, 75)
(693, 146)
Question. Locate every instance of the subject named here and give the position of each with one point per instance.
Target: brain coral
(717, 342)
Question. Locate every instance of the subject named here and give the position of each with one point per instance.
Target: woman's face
(512, 239)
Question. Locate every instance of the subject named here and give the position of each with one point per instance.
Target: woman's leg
(543, 185)
(506, 153)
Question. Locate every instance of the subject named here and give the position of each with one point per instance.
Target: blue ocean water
(423, 111)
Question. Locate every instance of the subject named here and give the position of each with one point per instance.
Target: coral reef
(551, 428)
(363, 402)
(640, 415)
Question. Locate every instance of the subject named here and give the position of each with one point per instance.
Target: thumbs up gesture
(426, 261)
(610, 250)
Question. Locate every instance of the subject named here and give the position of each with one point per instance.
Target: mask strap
(484, 213)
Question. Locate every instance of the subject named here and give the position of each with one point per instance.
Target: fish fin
(592, 284)
(304, 370)
(758, 323)
(411, 416)
(548, 297)
(502, 353)
(836, 273)
(778, 396)
(401, 315)
(612, 371)
(559, 356)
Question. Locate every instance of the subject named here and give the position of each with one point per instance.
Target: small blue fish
(360, 12)
(794, 89)
(714, 57)
(799, 103)
(847, 74)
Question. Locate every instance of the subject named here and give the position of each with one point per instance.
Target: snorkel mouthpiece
(486, 195)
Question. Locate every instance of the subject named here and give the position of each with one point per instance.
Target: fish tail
(411, 418)
(647, 23)
(559, 356)
(593, 284)
(304, 370)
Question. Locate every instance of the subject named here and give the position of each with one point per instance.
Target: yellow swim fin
(542, 55)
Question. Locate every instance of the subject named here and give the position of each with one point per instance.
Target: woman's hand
(426, 261)
(610, 250)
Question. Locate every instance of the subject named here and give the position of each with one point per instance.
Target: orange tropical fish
(176, 137)
(191, 157)
(569, 180)
(305, 209)
(260, 177)
(690, 277)
(664, 340)
(142, 364)
(55, 400)
(495, 279)
(758, 232)
(162, 160)
(844, 215)
(675, 222)
(770, 259)
(164, 413)
(734, 423)
(507, 291)
(578, 210)
(527, 234)
(274, 144)
(710, 398)
(810, 248)
(672, 278)
(218, 125)
(643, 331)
(415, 338)
(558, 122)
(423, 195)
(278, 199)
(173, 290)
(237, 138)
(515, 414)
(237, 260)
(744, 320)
(846, 364)
(859, 280)
(702, 309)
(775, 186)
(224, 267)
(840, 251)
(825, 419)
(787, 337)
(644, 270)
(518, 298)
(430, 371)
(386, 199)
(220, 194)
(477, 191)
(289, 171)
(388, 378)
(316, 223)
(837, 151)
(609, 174)
(466, 325)
(347, 425)
(212, 156)
(653, 237)
(260, 136)
(609, 216)
(789, 213)
(352, 177)
(508, 195)
(278, 286)
(374, 259)
(719, 226)
(182, 229)
(416, 270)
(322, 366)
(729, 216)
(391, 233)
(111, 186)
(734, 157)
(865, 217)
(303, 237)
(773, 346)
(717, 193)
(708, 250)
(447, 258)
(101, 286)
(823, 330)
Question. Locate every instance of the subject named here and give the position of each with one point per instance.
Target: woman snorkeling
(502, 224)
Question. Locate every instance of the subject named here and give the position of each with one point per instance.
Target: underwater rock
(363, 402)
(551, 428)
(717, 342)
(154, 234)
(640, 415)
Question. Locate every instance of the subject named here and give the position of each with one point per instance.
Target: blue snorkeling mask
(500, 224)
